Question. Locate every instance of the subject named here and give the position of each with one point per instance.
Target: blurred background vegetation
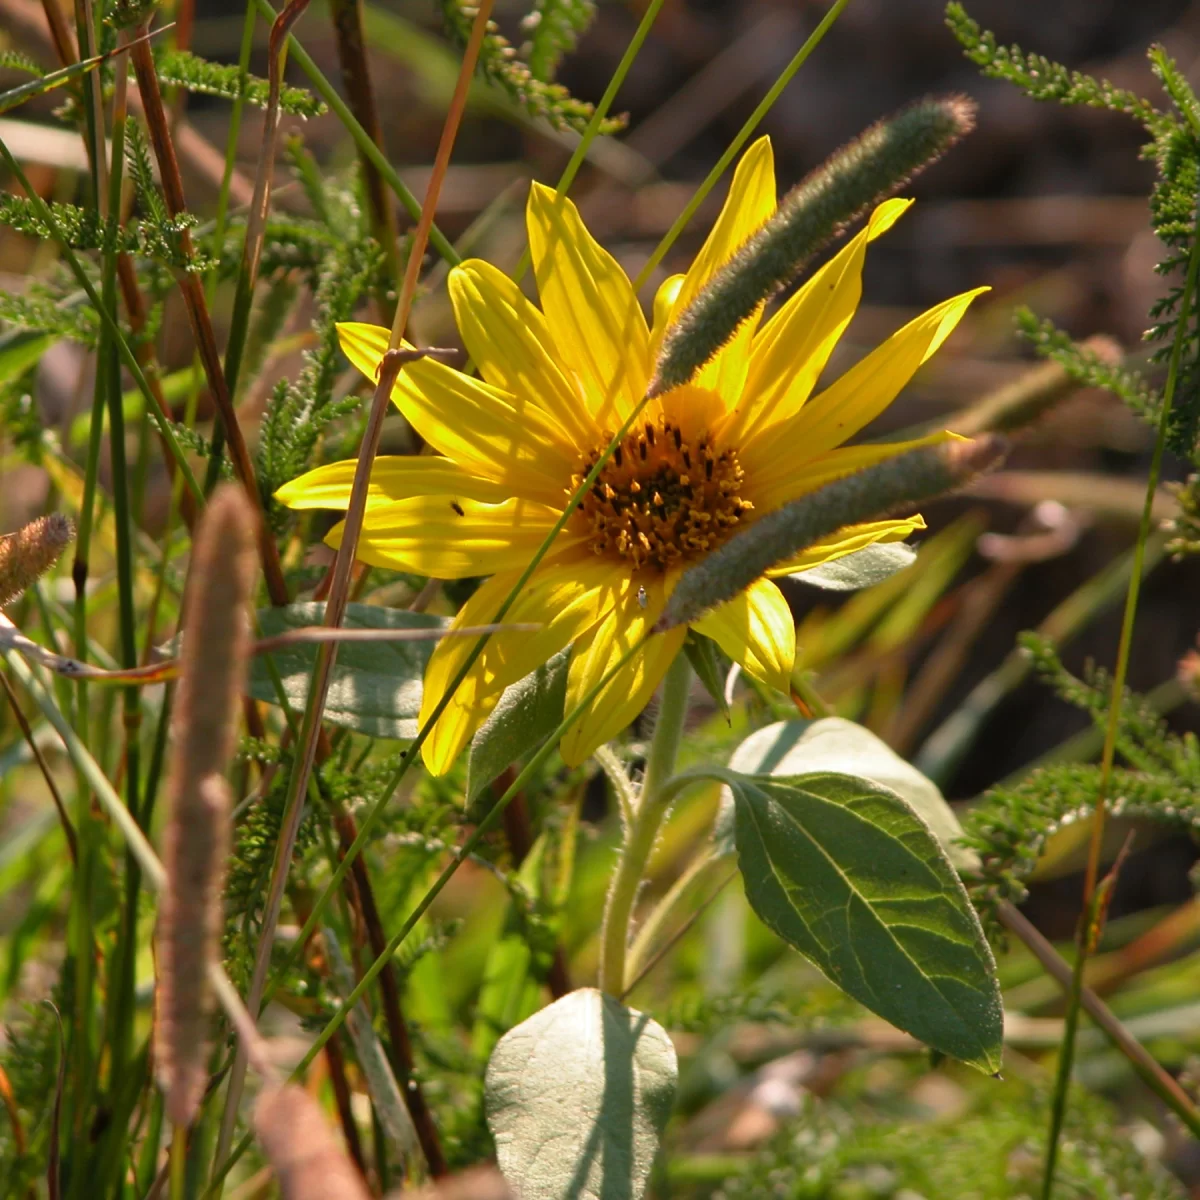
(1045, 204)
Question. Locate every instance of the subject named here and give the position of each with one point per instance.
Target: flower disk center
(659, 499)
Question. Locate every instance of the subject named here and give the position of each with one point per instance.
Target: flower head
(703, 460)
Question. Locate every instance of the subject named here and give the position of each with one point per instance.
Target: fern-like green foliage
(298, 413)
(82, 228)
(990, 1152)
(1161, 782)
(554, 28)
(46, 309)
(1086, 367)
(1039, 77)
(1175, 150)
(14, 60)
(157, 232)
(1176, 154)
(32, 1047)
(179, 68)
(498, 62)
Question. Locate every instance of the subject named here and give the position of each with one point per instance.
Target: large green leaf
(844, 870)
(835, 744)
(375, 687)
(526, 714)
(864, 568)
(577, 1098)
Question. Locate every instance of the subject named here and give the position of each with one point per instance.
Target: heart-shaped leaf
(577, 1098)
(525, 715)
(837, 745)
(862, 569)
(375, 687)
(845, 871)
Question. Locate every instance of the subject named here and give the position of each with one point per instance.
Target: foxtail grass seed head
(196, 847)
(867, 495)
(216, 635)
(856, 177)
(216, 645)
(302, 1148)
(25, 556)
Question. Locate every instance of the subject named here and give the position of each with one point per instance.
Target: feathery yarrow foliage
(1161, 782)
(1174, 147)
(182, 69)
(1086, 367)
(554, 27)
(500, 64)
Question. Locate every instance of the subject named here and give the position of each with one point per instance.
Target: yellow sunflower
(702, 461)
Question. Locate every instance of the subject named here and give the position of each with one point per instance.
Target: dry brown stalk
(215, 653)
(356, 79)
(25, 556)
(302, 1149)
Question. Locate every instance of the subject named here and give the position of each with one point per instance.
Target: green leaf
(845, 872)
(577, 1098)
(862, 569)
(834, 744)
(526, 714)
(375, 687)
(21, 349)
(702, 653)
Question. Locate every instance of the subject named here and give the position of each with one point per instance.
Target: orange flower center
(659, 499)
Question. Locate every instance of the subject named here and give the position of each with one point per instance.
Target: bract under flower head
(745, 436)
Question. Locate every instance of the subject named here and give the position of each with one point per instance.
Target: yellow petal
(591, 308)
(487, 431)
(664, 304)
(864, 391)
(508, 338)
(791, 351)
(751, 200)
(473, 700)
(756, 629)
(847, 541)
(451, 537)
(392, 478)
(776, 471)
(597, 652)
(565, 598)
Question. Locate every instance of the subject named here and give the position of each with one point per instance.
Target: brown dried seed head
(216, 635)
(303, 1149)
(28, 554)
(216, 645)
(189, 932)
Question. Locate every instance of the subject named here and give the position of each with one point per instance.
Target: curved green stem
(659, 916)
(639, 835)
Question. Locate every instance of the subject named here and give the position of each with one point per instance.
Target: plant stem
(658, 917)
(356, 79)
(1084, 934)
(639, 836)
(528, 772)
(362, 139)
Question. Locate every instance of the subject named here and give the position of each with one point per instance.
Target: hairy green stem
(640, 835)
(743, 136)
(658, 917)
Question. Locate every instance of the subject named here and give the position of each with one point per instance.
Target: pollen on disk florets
(661, 499)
